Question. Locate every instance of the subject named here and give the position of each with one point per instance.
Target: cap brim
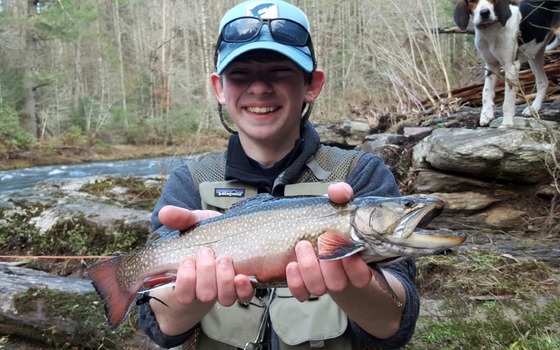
(297, 55)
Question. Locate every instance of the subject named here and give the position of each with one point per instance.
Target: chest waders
(298, 325)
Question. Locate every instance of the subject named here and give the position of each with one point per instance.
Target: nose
(259, 86)
(484, 13)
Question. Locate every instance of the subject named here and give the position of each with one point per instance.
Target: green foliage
(74, 137)
(91, 330)
(11, 86)
(66, 21)
(75, 236)
(530, 327)
(486, 300)
(136, 194)
(80, 237)
(184, 121)
(12, 137)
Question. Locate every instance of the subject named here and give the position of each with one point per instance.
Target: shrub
(13, 138)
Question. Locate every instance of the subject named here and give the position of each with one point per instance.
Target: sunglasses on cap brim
(282, 30)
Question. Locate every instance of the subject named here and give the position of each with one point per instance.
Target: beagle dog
(508, 33)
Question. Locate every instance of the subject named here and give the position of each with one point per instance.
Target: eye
(407, 203)
(238, 75)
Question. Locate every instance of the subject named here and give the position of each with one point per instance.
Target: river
(21, 179)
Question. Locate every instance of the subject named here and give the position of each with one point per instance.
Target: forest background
(95, 74)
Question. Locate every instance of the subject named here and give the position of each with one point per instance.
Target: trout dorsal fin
(334, 245)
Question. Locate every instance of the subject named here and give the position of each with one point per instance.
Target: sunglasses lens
(288, 32)
(241, 30)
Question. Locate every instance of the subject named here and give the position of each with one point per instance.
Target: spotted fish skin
(260, 234)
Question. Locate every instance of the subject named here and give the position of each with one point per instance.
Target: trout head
(391, 229)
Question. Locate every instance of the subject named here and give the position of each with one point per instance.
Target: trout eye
(408, 203)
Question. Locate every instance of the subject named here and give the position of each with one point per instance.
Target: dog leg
(537, 66)
(488, 93)
(511, 72)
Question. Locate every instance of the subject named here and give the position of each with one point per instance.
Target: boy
(266, 78)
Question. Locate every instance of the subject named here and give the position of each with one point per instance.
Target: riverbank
(496, 291)
(47, 155)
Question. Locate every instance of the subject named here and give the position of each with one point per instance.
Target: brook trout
(260, 235)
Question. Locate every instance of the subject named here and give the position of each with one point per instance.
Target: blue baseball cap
(226, 52)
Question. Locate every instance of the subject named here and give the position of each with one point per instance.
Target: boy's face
(264, 98)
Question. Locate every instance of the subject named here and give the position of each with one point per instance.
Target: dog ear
(462, 14)
(502, 11)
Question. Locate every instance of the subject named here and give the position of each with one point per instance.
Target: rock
(348, 134)
(64, 219)
(18, 279)
(523, 122)
(94, 213)
(465, 202)
(54, 310)
(430, 181)
(505, 218)
(502, 154)
(375, 143)
(417, 132)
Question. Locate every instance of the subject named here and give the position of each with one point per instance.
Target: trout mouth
(435, 239)
(411, 231)
(418, 218)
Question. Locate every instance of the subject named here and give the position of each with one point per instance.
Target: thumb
(178, 218)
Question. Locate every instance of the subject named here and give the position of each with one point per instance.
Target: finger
(340, 192)
(334, 275)
(244, 288)
(184, 290)
(206, 288)
(310, 269)
(179, 218)
(295, 282)
(358, 272)
(225, 275)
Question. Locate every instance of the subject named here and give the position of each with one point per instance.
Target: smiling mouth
(261, 110)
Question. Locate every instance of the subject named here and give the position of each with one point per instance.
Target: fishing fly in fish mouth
(383, 230)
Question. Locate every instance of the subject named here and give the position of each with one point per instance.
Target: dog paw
(530, 111)
(485, 119)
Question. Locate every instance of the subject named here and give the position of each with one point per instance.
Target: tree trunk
(29, 115)
(118, 32)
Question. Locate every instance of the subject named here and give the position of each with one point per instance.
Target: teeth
(260, 109)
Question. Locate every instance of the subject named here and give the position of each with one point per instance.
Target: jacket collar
(241, 168)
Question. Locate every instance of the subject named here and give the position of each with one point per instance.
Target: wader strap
(317, 170)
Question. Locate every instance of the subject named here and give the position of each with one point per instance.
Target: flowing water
(26, 178)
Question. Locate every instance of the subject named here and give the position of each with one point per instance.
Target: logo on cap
(263, 10)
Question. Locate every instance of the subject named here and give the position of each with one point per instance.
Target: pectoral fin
(334, 245)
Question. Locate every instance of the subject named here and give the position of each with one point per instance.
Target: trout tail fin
(118, 300)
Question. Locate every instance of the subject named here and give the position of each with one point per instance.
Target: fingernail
(223, 263)
(206, 252)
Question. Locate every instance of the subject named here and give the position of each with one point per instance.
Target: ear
(502, 11)
(315, 86)
(462, 14)
(218, 88)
